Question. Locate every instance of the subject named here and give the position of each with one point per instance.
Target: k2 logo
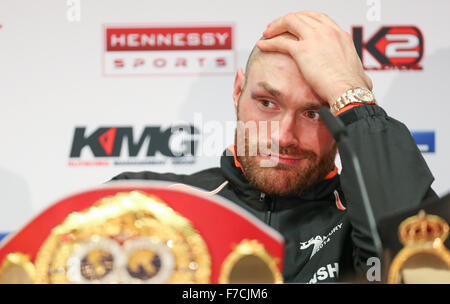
(393, 47)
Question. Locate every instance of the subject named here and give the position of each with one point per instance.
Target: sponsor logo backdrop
(90, 89)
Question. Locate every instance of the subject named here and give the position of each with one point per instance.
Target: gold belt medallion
(127, 238)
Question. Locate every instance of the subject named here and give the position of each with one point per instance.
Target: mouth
(282, 159)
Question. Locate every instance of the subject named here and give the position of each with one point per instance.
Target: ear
(239, 81)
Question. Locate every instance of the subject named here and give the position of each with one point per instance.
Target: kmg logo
(128, 146)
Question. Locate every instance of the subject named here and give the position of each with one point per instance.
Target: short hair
(256, 52)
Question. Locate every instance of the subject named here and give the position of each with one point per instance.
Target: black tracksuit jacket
(326, 240)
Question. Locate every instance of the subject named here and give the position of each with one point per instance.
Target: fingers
(280, 43)
(323, 18)
(301, 24)
(289, 23)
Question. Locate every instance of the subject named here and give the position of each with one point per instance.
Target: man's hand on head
(324, 53)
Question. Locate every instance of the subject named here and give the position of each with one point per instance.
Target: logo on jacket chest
(319, 241)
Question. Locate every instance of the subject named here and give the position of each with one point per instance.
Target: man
(304, 62)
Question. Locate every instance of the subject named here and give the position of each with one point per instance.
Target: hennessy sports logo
(153, 146)
(168, 50)
(391, 47)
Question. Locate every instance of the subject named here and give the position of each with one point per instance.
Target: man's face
(276, 93)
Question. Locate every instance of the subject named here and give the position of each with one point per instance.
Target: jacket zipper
(271, 201)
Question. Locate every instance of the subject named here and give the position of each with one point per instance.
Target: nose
(285, 134)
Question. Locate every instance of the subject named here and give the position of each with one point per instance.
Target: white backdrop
(55, 76)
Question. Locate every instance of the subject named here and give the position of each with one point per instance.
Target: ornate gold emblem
(127, 238)
(249, 262)
(17, 269)
(424, 259)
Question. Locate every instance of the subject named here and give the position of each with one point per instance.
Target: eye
(267, 104)
(314, 115)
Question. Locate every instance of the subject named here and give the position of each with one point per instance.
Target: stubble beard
(280, 179)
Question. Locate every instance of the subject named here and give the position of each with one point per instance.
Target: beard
(281, 179)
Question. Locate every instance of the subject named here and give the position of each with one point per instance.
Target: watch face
(363, 94)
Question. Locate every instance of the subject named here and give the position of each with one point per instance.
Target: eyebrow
(271, 90)
(310, 105)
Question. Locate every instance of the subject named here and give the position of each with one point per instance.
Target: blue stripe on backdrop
(3, 234)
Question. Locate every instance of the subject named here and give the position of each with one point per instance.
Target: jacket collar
(233, 172)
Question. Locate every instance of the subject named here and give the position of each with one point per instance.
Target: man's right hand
(324, 53)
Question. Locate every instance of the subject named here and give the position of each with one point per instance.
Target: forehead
(282, 73)
(273, 61)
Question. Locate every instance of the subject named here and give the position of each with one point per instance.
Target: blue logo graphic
(425, 141)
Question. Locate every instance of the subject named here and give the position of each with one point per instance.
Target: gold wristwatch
(360, 95)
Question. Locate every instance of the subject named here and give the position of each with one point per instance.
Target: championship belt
(143, 232)
(424, 257)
